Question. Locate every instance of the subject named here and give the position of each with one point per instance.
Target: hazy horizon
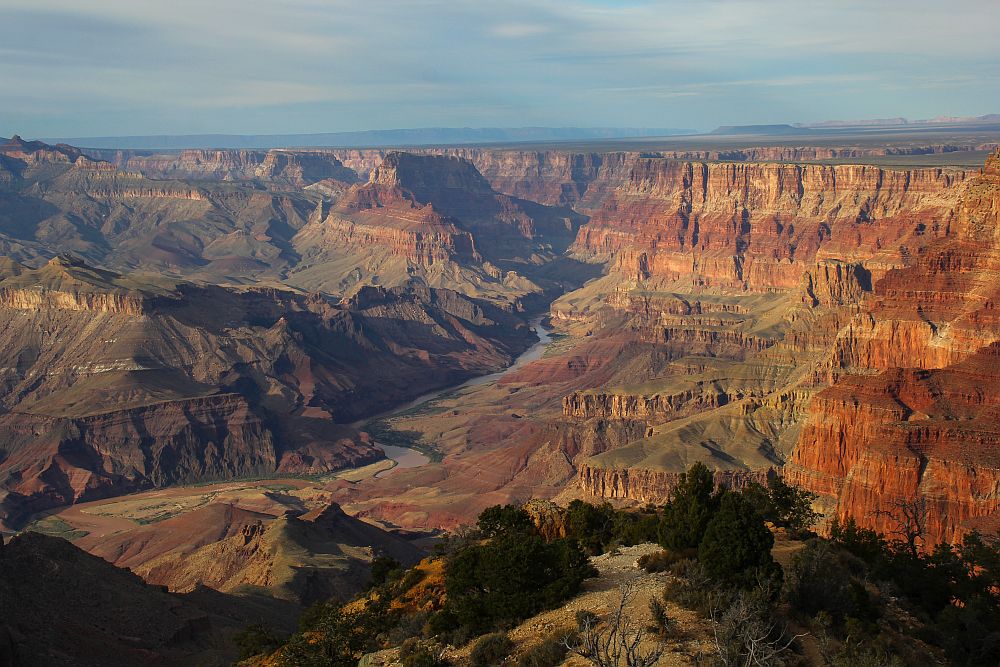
(122, 68)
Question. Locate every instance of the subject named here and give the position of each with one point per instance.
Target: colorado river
(411, 458)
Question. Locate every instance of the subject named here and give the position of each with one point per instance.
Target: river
(411, 458)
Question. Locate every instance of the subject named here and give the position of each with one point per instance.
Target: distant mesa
(767, 130)
(902, 122)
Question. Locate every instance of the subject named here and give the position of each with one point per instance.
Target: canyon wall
(35, 299)
(297, 168)
(654, 486)
(760, 226)
(53, 461)
(913, 416)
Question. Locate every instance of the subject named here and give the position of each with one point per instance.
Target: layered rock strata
(913, 417)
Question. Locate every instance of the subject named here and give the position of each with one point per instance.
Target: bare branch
(910, 518)
(617, 640)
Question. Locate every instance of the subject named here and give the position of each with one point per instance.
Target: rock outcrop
(321, 556)
(433, 219)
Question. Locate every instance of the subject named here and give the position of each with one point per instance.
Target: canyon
(112, 385)
(202, 316)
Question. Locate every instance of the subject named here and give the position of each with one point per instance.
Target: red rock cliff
(761, 226)
(914, 414)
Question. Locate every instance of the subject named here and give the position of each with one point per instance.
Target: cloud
(147, 66)
(518, 30)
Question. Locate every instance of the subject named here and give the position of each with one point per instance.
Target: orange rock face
(914, 414)
(760, 226)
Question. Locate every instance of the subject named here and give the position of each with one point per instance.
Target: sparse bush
(659, 561)
(858, 649)
(550, 653)
(585, 618)
(410, 646)
(421, 658)
(416, 653)
(491, 649)
(661, 624)
(455, 540)
(691, 587)
(746, 631)
(617, 640)
(408, 625)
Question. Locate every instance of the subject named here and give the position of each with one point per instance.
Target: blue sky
(115, 67)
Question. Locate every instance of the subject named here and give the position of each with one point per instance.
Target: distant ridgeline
(408, 137)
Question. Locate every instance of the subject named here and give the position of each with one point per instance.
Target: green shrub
(502, 519)
(341, 637)
(736, 548)
(782, 504)
(384, 569)
(510, 578)
(636, 527)
(864, 543)
(599, 528)
(825, 578)
(692, 504)
(491, 649)
(590, 525)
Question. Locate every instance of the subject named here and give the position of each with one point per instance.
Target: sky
(77, 68)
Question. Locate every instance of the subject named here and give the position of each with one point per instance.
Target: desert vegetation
(854, 597)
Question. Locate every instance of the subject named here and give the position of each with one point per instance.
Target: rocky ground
(691, 636)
